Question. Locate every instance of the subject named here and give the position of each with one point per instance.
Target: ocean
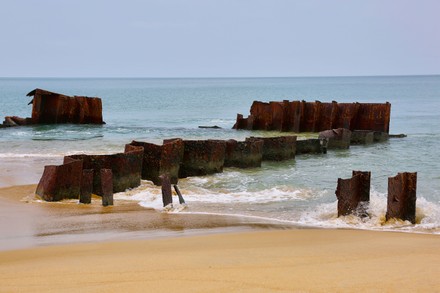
(299, 192)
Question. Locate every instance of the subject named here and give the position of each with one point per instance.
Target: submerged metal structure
(53, 108)
(302, 116)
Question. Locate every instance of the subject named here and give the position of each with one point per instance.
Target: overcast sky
(192, 38)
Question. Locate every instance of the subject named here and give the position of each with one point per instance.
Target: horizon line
(212, 77)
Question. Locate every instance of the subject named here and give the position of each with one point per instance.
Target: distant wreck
(53, 108)
(302, 116)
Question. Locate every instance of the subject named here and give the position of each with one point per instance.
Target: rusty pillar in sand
(402, 197)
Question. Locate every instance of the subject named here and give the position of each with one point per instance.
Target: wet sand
(53, 247)
(27, 222)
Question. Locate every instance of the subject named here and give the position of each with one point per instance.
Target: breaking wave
(286, 205)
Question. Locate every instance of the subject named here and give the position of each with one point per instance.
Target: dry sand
(250, 261)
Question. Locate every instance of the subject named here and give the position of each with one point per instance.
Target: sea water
(298, 192)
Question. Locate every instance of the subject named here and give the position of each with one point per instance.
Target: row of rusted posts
(353, 196)
(82, 175)
(176, 158)
(302, 116)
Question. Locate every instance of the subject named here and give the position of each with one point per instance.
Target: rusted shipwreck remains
(339, 125)
(53, 108)
(353, 196)
(81, 175)
(302, 116)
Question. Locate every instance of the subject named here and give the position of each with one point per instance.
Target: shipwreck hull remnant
(311, 146)
(86, 186)
(126, 168)
(49, 108)
(278, 148)
(202, 157)
(61, 182)
(243, 154)
(362, 137)
(161, 159)
(402, 197)
(53, 108)
(11, 121)
(302, 116)
(336, 138)
(353, 194)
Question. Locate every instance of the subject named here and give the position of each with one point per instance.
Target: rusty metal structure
(353, 194)
(278, 148)
(126, 168)
(402, 197)
(243, 154)
(53, 108)
(61, 182)
(161, 159)
(302, 116)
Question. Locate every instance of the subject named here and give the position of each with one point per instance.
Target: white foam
(325, 216)
(322, 215)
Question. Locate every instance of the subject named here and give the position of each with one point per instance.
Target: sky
(224, 38)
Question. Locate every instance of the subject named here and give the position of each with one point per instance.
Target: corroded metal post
(354, 194)
(402, 197)
(167, 197)
(107, 187)
(86, 186)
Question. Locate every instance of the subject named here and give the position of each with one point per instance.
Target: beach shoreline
(198, 253)
(30, 222)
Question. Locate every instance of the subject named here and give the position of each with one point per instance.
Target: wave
(67, 138)
(281, 205)
(325, 216)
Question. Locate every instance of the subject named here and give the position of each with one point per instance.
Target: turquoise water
(299, 191)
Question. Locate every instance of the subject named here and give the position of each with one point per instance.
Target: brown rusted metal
(277, 148)
(49, 108)
(126, 168)
(171, 158)
(150, 160)
(328, 115)
(106, 187)
(336, 138)
(86, 186)
(165, 183)
(202, 157)
(243, 154)
(61, 182)
(375, 117)
(302, 116)
(353, 194)
(402, 197)
(161, 159)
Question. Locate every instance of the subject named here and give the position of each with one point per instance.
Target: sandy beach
(65, 247)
